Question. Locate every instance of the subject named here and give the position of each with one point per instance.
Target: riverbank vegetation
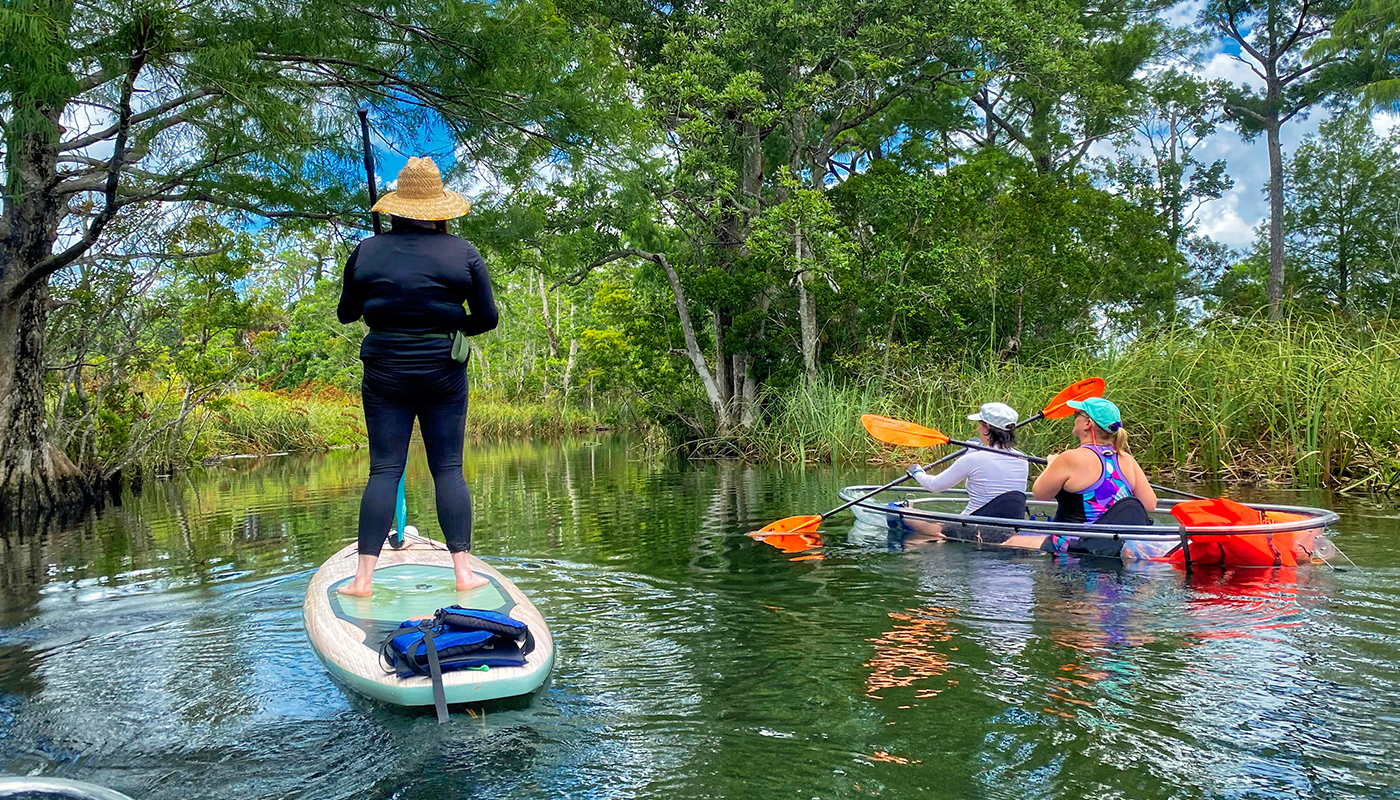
(255, 421)
(740, 222)
(1305, 403)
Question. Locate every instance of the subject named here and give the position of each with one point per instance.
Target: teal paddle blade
(400, 517)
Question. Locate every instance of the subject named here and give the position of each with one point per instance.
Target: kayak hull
(346, 632)
(1290, 537)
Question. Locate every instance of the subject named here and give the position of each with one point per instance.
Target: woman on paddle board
(1087, 481)
(409, 284)
(987, 475)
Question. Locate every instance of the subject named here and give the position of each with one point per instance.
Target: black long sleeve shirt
(416, 281)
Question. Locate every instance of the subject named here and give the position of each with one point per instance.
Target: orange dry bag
(1227, 549)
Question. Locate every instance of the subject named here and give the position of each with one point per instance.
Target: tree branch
(837, 128)
(1230, 107)
(986, 107)
(137, 119)
(1302, 20)
(1298, 73)
(123, 258)
(54, 263)
(1226, 24)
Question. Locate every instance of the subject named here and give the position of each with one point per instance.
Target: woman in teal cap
(1086, 481)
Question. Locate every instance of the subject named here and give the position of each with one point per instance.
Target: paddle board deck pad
(415, 581)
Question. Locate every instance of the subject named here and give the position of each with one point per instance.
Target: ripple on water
(159, 650)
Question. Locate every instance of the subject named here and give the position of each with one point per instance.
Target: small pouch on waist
(461, 349)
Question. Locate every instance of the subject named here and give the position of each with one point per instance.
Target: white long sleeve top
(986, 475)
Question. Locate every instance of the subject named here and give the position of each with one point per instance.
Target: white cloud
(1221, 221)
(1233, 218)
(1184, 14)
(1386, 123)
(81, 120)
(1223, 65)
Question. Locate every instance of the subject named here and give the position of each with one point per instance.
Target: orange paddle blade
(791, 525)
(897, 431)
(1081, 390)
(790, 542)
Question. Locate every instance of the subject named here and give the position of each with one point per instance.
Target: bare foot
(466, 578)
(356, 589)
(469, 581)
(364, 571)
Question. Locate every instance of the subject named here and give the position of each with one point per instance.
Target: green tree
(1344, 209)
(1056, 77)
(1276, 36)
(1179, 117)
(1371, 30)
(110, 107)
(996, 261)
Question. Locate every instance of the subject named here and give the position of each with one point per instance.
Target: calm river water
(158, 650)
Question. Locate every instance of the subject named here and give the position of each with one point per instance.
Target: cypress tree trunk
(806, 307)
(35, 476)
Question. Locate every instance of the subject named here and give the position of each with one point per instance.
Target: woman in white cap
(987, 475)
(410, 285)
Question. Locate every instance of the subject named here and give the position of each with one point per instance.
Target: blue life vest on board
(457, 638)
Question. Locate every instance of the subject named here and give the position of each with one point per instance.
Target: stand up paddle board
(415, 581)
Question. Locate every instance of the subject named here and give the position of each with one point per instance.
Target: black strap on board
(434, 672)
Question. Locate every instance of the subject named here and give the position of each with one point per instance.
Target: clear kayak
(1286, 536)
(40, 787)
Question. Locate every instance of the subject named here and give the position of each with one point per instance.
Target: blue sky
(1233, 218)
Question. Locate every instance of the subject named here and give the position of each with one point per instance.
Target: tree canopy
(688, 208)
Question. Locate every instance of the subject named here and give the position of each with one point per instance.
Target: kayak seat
(1007, 505)
(1128, 511)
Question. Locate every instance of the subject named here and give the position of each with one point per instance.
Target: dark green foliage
(872, 188)
(1370, 31)
(997, 256)
(1344, 213)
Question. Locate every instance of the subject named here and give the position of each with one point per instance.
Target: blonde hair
(1118, 440)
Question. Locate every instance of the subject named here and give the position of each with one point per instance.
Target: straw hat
(420, 194)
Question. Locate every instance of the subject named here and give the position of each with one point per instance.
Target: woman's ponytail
(1120, 440)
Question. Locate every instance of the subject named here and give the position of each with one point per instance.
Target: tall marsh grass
(257, 421)
(489, 417)
(1300, 402)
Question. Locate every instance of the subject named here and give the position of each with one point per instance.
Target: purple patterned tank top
(1089, 505)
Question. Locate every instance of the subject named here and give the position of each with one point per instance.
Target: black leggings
(393, 396)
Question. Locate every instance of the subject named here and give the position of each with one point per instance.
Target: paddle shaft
(1091, 387)
(401, 507)
(943, 460)
(891, 484)
(369, 169)
(1029, 420)
(1043, 462)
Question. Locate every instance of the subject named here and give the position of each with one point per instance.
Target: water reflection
(158, 649)
(907, 655)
